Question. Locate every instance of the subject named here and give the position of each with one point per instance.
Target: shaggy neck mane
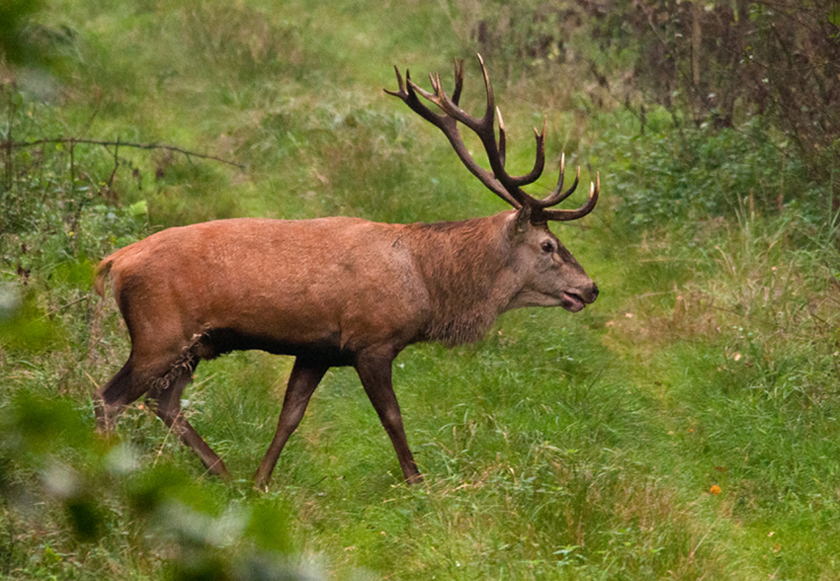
(462, 264)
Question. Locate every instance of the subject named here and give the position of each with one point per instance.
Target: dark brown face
(550, 274)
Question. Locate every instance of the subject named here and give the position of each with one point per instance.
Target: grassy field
(685, 426)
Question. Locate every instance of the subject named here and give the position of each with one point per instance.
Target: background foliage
(685, 426)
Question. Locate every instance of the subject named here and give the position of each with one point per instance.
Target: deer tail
(102, 270)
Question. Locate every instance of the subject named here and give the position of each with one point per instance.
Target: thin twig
(697, 546)
(92, 380)
(169, 430)
(118, 143)
(116, 164)
(654, 294)
(64, 307)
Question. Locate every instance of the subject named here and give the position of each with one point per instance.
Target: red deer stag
(338, 291)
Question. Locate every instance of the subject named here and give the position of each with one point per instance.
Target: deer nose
(593, 290)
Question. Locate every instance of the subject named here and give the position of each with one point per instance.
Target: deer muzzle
(575, 300)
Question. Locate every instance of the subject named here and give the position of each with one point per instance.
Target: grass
(561, 446)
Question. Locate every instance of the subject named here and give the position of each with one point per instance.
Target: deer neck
(467, 273)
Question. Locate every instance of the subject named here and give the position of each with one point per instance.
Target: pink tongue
(573, 299)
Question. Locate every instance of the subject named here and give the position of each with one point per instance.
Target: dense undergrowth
(684, 426)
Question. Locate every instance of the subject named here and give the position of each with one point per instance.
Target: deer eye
(547, 246)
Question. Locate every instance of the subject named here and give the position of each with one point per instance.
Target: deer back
(338, 282)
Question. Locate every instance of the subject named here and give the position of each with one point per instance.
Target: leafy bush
(749, 66)
(86, 487)
(696, 174)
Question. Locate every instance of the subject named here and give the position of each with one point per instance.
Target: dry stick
(8, 146)
(77, 215)
(64, 307)
(72, 168)
(116, 164)
(92, 380)
(697, 546)
(118, 143)
(163, 444)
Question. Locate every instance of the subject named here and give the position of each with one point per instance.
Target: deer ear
(522, 220)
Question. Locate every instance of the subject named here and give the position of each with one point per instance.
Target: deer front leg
(375, 373)
(303, 380)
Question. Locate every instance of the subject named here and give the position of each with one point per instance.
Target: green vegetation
(685, 426)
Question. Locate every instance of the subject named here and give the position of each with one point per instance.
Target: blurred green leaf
(268, 526)
(85, 516)
(14, 15)
(29, 328)
(75, 274)
(834, 16)
(138, 209)
(38, 425)
(150, 490)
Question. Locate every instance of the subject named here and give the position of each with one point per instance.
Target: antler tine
(399, 82)
(502, 139)
(539, 162)
(566, 215)
(409, 97)
(558, 195)
(488, 88)
(459, 80)
(485, 130)
(483, 126)
(408, 91)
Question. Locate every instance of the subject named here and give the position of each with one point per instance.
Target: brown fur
(465, 302)
(331, 291)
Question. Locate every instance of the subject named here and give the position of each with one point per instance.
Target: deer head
(556, 277)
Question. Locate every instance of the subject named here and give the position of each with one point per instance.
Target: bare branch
(73, 141)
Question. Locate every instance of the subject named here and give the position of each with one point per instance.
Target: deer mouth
(572, 302)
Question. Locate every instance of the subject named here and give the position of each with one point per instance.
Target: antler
(498, 180)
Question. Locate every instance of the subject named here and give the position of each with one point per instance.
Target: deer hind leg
(303, 380)
(375, 374)
(165, 399)
(112, 398)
